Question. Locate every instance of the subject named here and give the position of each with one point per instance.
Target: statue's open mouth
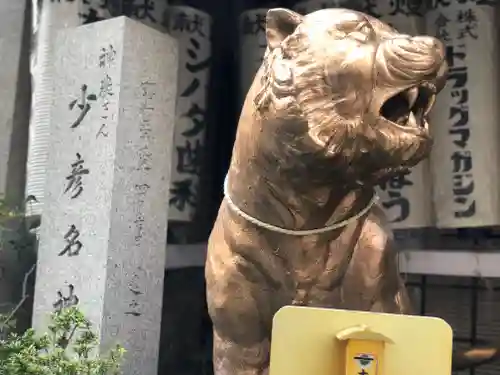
(410, 107)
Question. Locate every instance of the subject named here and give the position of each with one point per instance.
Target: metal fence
(470, 305)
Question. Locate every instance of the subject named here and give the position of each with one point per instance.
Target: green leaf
(29, 354)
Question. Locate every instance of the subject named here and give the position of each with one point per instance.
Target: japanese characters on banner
(93, 10)
(405, 16)
(253, 44)
(407, 200)
(192, 28)
(150, 12)
(465, 118)
(305, 7)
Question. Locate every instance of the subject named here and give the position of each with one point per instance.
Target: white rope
(291, 232)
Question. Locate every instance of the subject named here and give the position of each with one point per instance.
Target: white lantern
(465, 118)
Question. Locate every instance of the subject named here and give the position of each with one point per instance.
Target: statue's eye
(366, 29)
(364, 32)
(359, 36)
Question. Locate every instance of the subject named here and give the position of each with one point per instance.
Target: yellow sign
(363, 349)
(314, 341)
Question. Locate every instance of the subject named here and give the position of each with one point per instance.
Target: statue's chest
(315, 266)
(316, 262)
(320, 271)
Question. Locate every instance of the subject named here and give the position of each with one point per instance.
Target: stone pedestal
(50, 17)
(102, 240)
(15, 95)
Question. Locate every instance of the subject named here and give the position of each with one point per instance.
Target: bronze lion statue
(339, 105)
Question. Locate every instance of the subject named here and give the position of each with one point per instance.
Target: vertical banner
(253, 44)
(405, 16)
(407, 200)
(192, 28)
(150, 12)
(93, 10)
(465, 118)
(305, 7)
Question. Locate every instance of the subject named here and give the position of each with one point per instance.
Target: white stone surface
(14, 129)
(118, 207)
(14, 98)
(450, 263)
(12, 15)
(50, 17)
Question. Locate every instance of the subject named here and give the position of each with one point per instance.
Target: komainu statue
(339, 105)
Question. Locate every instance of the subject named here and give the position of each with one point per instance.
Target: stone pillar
(102, 242)
(50, 16)
(15, 97)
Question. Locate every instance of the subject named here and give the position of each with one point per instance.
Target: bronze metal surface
(339, 105)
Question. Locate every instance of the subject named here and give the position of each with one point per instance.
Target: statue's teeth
(411, 96)
(412, 121)
(430, 104)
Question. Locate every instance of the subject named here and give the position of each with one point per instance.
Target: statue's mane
(293, 83)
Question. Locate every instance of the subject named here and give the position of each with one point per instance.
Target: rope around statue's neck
(292, 232)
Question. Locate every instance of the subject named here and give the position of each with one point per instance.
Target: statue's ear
(280, 23)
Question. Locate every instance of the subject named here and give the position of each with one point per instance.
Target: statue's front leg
(392, 296)
(241, 319)
(239, 357)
